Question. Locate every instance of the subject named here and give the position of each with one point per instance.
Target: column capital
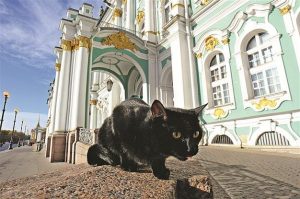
(286, 9)
(66, 45)
(57, 66)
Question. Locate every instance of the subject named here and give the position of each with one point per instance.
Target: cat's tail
(93, 155)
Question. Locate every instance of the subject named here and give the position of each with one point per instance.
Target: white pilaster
(152, 67)
(130, 14)
(117, 13)
(150, 31)
(180, 66)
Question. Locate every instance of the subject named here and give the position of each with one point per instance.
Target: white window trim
(206, 82)
(241, 58)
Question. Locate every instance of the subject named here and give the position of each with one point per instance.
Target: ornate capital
(57, 66)
(84, 42)
(66, 45)
(75, 44)
(285, 9)
(140, 16)
(210, 43)
(119, 41)
(225, 41)
(117, 12)
(124, 1)
(177, 4)
(198, 55)
(93, 102)
(205, 2)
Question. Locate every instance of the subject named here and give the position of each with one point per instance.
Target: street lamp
(109, 85)
(19, 142)
(6, 96)
(16, 110)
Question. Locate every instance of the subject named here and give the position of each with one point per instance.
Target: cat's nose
(192, 151)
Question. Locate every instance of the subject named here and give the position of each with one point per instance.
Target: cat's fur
(137, 133)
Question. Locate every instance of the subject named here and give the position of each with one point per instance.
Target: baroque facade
(238, 56)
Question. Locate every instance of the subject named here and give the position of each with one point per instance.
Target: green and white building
(239, 56)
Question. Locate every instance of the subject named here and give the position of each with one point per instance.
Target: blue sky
(29, 32)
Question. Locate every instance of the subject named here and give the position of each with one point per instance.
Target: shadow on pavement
(242, 183)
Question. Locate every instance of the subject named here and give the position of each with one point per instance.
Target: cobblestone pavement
(23, 162)
(248, 173)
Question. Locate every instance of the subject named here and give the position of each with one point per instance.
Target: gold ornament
(119, 41)
(93, 102)
(210, 43)
(117, 13)
(225, 41)
(285, 9)
(57, 66)
(177, 4)
(140, 16)
(198, 55)
(205, 2)
(264, 103)
(219, 113)
(66, 45)
(124, 1)
(84, 42)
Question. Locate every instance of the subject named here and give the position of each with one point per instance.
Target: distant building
(239, 56)
(38, 134)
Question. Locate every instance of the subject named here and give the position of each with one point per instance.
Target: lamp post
(19, 142)
(16, 110)
(6, 96)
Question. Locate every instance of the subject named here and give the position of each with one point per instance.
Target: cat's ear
(199, 110)
(158, 110)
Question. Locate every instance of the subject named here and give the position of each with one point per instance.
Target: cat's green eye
(176, 135)
(196, 134)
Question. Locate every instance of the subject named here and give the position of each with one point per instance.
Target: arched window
(219, 80)
(264, 75)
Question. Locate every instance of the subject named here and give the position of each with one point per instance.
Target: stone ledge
(84, 181)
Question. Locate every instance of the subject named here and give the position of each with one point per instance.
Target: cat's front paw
(162, 174)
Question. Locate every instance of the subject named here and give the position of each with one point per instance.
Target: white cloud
(30, 120)
(29, 28)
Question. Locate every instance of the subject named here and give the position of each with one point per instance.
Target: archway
(166, 87)
(222, 139)
(272, 138)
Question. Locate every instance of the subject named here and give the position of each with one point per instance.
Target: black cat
(137, 133)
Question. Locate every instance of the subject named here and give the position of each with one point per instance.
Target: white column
(93, 102)
(54, 98)
(80, 84)
(63, 88)
(180, 66)
(150, 31)
(145, 92)
(130, 15)
(116, 92)
(117, 13)
(153, 94)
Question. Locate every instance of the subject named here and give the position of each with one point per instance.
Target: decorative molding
(151, 32)
(117, 13)
(93, 102)
(210, 43)
(57, 66)
(140, 16)
(265, 103)
(86, 136)
(177, 4)
(84, 42)
(66, 45)
(225, 41)
(75, 44)
(219, 113)
(205, 2)
(119, 41)
(198, 55)
(285, 9)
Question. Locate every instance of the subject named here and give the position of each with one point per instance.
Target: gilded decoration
(205, 2)
(285, 9)
(57, 66)
(66, 45)
(84, 42)
(75, 44)
(124, 1)
(117, 12)
(119, 41)
(210, 43)
(93, 102)
(225, 41)
(198, 55)
(140, 16)
(265, 103)
(219, 113)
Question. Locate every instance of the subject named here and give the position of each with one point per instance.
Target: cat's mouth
(182, 158)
